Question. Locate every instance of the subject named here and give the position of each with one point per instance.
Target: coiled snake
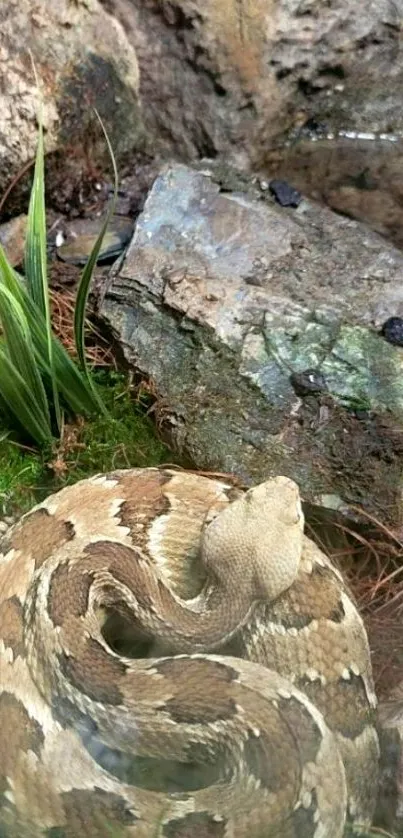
(246, 707)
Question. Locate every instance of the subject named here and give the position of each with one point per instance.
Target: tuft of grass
(21, 475)
(38, 378)
(97, 444)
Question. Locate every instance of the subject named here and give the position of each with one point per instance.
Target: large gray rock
(224, 298)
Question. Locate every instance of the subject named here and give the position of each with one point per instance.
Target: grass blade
(71, 382)
(21, 385)
(36, 369)
(18, 398)
(86, 276)
(19, 349)
(36, 261)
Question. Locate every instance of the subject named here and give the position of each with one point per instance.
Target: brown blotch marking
(5, 543)
(11, 625)
(264, 758)
(190, 702)
(40, 534)
(127, 566)
(343, 703)
(311, 597)
(139, 686)
(303, 819)
(94, 672)
(270, 749)
(144, 500)
(68, 592)
(96, 813)
(18, 733)
(209, 758)
(303, 727)
(156, 773)
(195, 825)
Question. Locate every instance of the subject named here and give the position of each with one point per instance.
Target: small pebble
(314, 126)
(308, 382)
(392, 330)
(3, 527)
(285, 194)
(117, 237)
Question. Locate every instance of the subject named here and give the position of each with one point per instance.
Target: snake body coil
(248, 707)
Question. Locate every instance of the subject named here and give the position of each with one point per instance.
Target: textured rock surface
(362, 178)
(218, 77)
(12, 239)
(229, 75)
(225, 298)
(83, 60)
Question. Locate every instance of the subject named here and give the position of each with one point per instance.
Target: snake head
(256, 542)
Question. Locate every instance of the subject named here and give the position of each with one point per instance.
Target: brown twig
(62, 306)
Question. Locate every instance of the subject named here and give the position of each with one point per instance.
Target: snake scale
(178, 659)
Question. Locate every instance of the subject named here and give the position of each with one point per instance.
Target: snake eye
(291, 515)
(297, 514)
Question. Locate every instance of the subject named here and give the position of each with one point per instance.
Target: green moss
(21, 473)
(127, 440)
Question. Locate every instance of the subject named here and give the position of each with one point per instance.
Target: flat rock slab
(225, 300)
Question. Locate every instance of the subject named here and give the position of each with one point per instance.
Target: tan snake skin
(246, 707)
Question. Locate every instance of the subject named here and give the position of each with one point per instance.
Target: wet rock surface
(79, 237)
(224, 297)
